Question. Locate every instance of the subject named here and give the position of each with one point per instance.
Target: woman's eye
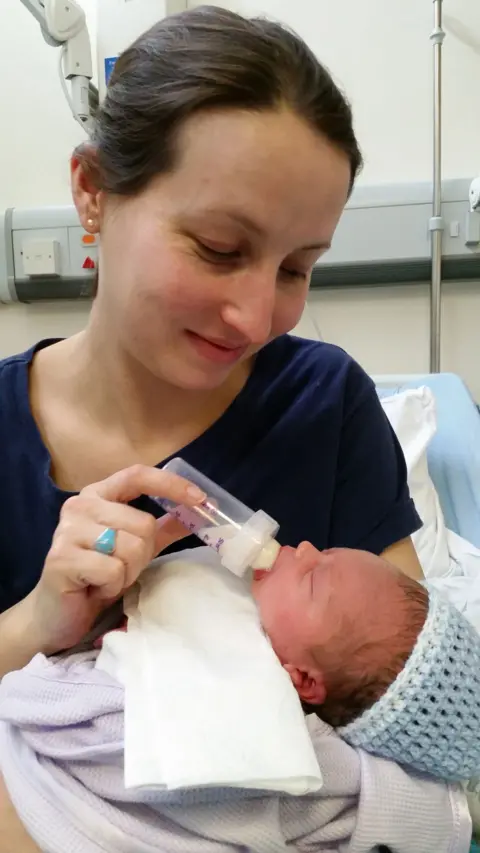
(292, 274)
(219, 256)
(216, 254)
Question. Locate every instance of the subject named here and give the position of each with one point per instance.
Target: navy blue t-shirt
(306, 440)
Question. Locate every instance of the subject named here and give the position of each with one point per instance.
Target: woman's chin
(193, 377)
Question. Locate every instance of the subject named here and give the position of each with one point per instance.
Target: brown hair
(360, 684)
(203, 59)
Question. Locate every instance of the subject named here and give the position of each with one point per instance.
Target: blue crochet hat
(429, 718)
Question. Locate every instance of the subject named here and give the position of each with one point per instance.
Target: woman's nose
(250, 309)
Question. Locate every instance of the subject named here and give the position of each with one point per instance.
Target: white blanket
(206, 699)
(459, 576)
(61, 756)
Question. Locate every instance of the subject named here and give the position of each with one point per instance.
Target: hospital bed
(454, 452)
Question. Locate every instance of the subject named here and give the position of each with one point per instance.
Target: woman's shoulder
(29, 502)
(14, 383)
(14, 368)
(306, 351)
(311, 371)
(17, 425)
(14, 364)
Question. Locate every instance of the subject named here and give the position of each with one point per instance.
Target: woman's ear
(85, 183)
(310, 686)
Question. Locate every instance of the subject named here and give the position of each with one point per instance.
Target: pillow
(412, 416)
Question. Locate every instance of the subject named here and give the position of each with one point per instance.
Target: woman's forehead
(259, 166)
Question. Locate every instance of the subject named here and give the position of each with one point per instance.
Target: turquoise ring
(106, 542)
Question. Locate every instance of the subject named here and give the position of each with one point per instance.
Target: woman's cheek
(288, 311)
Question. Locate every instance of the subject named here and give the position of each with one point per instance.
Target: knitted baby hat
(429, 718)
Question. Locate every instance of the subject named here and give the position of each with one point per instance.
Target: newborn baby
(343, 624)
(394, 669)
(364, 646)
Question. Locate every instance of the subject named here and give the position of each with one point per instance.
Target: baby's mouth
(260, 574)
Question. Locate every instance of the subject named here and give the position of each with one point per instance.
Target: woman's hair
(206, 59)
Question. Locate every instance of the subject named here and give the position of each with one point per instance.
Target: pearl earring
(90, 223)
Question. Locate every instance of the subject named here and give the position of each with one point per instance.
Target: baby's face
(318, 605)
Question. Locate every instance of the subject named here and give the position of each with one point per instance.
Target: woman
(220, 164)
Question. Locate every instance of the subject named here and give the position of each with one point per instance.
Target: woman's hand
(77, 581)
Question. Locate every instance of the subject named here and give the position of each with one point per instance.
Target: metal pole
(436, 221)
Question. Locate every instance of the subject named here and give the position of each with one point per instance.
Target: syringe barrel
(236, 532)
(220, 505)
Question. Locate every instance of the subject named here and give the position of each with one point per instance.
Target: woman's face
(213, 260)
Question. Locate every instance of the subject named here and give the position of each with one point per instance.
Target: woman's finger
(139, 480)
(168, 531)
(107, 578)
(134, 552)
(74, 569)
(116, 515)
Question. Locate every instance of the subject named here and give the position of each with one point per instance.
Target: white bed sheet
(454, 452)
(453, 568)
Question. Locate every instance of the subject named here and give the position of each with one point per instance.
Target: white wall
(380, 53)
(36, 140)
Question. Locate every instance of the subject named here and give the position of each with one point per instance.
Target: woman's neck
(117, 392)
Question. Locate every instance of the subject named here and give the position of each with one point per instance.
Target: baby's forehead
(364, 575)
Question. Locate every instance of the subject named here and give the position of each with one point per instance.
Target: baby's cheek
(286, 638)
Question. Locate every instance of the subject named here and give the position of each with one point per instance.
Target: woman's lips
(216, 351)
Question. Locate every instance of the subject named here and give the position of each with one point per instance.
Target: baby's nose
(307, 551)
(305, 558)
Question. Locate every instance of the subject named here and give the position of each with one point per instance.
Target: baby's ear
(310, 686)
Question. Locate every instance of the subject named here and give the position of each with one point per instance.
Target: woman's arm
(18, 642)
(402, 554)
(13, 837)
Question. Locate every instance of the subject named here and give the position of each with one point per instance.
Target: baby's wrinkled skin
(318, 607)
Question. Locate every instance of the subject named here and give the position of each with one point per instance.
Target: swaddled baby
(405, 657)
(395, 669)
(343, 623)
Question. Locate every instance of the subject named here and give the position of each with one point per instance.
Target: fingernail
(196, 494)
